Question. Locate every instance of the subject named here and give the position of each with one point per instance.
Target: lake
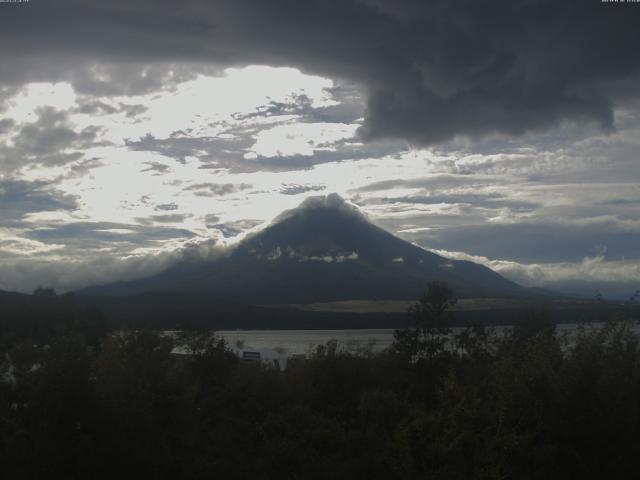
(295, 342)
(303, 341)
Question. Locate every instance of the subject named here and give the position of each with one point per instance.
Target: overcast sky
(135, 132)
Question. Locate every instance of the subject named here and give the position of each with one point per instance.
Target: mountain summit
(324, 250)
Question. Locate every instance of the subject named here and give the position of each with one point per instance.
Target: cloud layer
(431, 70)
(508, 131)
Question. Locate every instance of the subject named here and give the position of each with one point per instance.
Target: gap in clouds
(166, 161)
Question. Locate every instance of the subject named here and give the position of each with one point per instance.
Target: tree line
(80, 401)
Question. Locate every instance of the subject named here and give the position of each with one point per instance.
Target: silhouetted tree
(430, 324)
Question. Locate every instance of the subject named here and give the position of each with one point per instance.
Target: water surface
(304, 341)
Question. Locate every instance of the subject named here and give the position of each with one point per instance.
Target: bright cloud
(596, 271)
(134, 179)
(34, 96)
(300, 139)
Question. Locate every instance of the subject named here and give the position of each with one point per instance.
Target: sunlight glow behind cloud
(147, 175)
(34, 96)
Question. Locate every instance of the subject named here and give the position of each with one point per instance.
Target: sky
(133, 134)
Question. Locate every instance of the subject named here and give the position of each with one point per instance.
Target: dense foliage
(76, 402)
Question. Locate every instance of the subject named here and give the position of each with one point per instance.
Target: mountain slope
(324, 250)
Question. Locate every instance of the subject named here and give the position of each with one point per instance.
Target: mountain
(324, 250)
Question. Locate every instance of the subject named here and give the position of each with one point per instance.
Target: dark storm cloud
(21, 197)
(432, 70)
